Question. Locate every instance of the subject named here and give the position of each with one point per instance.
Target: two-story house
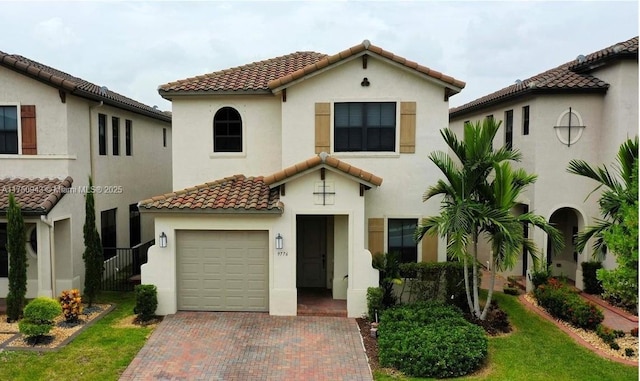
(583, 109)
(56, 130)
(307, 164)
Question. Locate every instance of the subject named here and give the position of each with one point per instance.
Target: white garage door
(223, 270)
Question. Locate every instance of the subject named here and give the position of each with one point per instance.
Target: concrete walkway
(251, 346)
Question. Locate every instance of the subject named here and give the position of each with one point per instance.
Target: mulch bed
(60, 335)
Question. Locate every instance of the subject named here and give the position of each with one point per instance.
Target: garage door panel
(222, 270)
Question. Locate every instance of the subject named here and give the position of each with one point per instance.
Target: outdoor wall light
(163, 240)
(279, 241)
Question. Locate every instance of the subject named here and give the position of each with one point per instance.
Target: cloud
(54, 33)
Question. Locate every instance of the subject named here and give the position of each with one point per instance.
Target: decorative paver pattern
(251, 346)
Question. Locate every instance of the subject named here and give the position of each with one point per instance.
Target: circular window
(32, 240)
(569, 127)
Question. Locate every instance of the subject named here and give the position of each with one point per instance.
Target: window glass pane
(400, 239)
(342, 114)
(373, 115)
(355, 114)
(227, 130)
(388, 114)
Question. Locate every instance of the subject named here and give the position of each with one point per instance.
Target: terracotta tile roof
(354, 50)
(232, 194)
(267, 75)
(35, 196)
(572, 76)
(323, 159)
(250, 77)
(77, 86)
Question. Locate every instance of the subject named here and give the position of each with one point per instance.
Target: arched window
(227, 130)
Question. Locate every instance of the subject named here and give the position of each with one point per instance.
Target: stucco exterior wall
(351, 257)
(194, 159)
(608, 119)
(67, 144)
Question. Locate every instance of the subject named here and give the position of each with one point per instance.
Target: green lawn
(101, 352)
(537, 350)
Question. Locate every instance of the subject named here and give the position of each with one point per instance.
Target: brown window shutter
(407, 127)
(429, 248)
(323, 126)
(28, 123)
(376, 235)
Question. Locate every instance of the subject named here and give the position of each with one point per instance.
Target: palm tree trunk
(466, 283)
(492, 282)
(476, 302)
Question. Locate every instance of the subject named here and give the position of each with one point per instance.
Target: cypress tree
(93, 257)
(17, 240)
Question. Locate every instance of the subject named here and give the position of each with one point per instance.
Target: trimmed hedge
(441, 281)
(591, 284)
(565, 304)
(146, 301)
(430, 339)
(374, 302)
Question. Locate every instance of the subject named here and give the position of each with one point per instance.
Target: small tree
(93, 257)
(17, 260)
(38, 317)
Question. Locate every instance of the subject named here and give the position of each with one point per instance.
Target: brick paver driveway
(251, 346)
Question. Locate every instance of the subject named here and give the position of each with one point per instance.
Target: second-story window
(8, 130)
(102, 134)
(525, 120)
(115, 126)
(508, 129)
(127, 137)
(227, 130)
(360, 126)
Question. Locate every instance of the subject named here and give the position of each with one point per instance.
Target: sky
(132, 47)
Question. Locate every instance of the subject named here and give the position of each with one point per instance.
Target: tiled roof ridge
(319, 159)
(561, 78)
(34, 195)
(166, 86)
(365, 45)
(76, 85)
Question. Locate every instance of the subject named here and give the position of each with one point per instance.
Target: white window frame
(17, 105)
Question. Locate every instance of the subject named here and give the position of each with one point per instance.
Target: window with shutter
(28, 129)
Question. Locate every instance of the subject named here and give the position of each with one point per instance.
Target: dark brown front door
(311, 251)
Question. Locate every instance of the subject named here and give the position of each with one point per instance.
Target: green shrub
(563, 303)
(38, 317)
(511, 291)
(605, 333)
(629, 352)
(374, 302)
(591, 283)
(620, 287)
(441, 281)
(430, 339)
(71, 303)
(146, 301)
(540, 277)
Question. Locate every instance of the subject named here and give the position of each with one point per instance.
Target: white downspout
(52, 255)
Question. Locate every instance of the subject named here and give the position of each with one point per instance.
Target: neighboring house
(583, 109)
(291, 154)
(55, 131)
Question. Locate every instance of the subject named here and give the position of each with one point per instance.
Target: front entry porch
(320, 302)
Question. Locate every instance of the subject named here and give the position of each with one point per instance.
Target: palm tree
(505, 230)
(460, 219)
(472, 205)
(617, 193)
